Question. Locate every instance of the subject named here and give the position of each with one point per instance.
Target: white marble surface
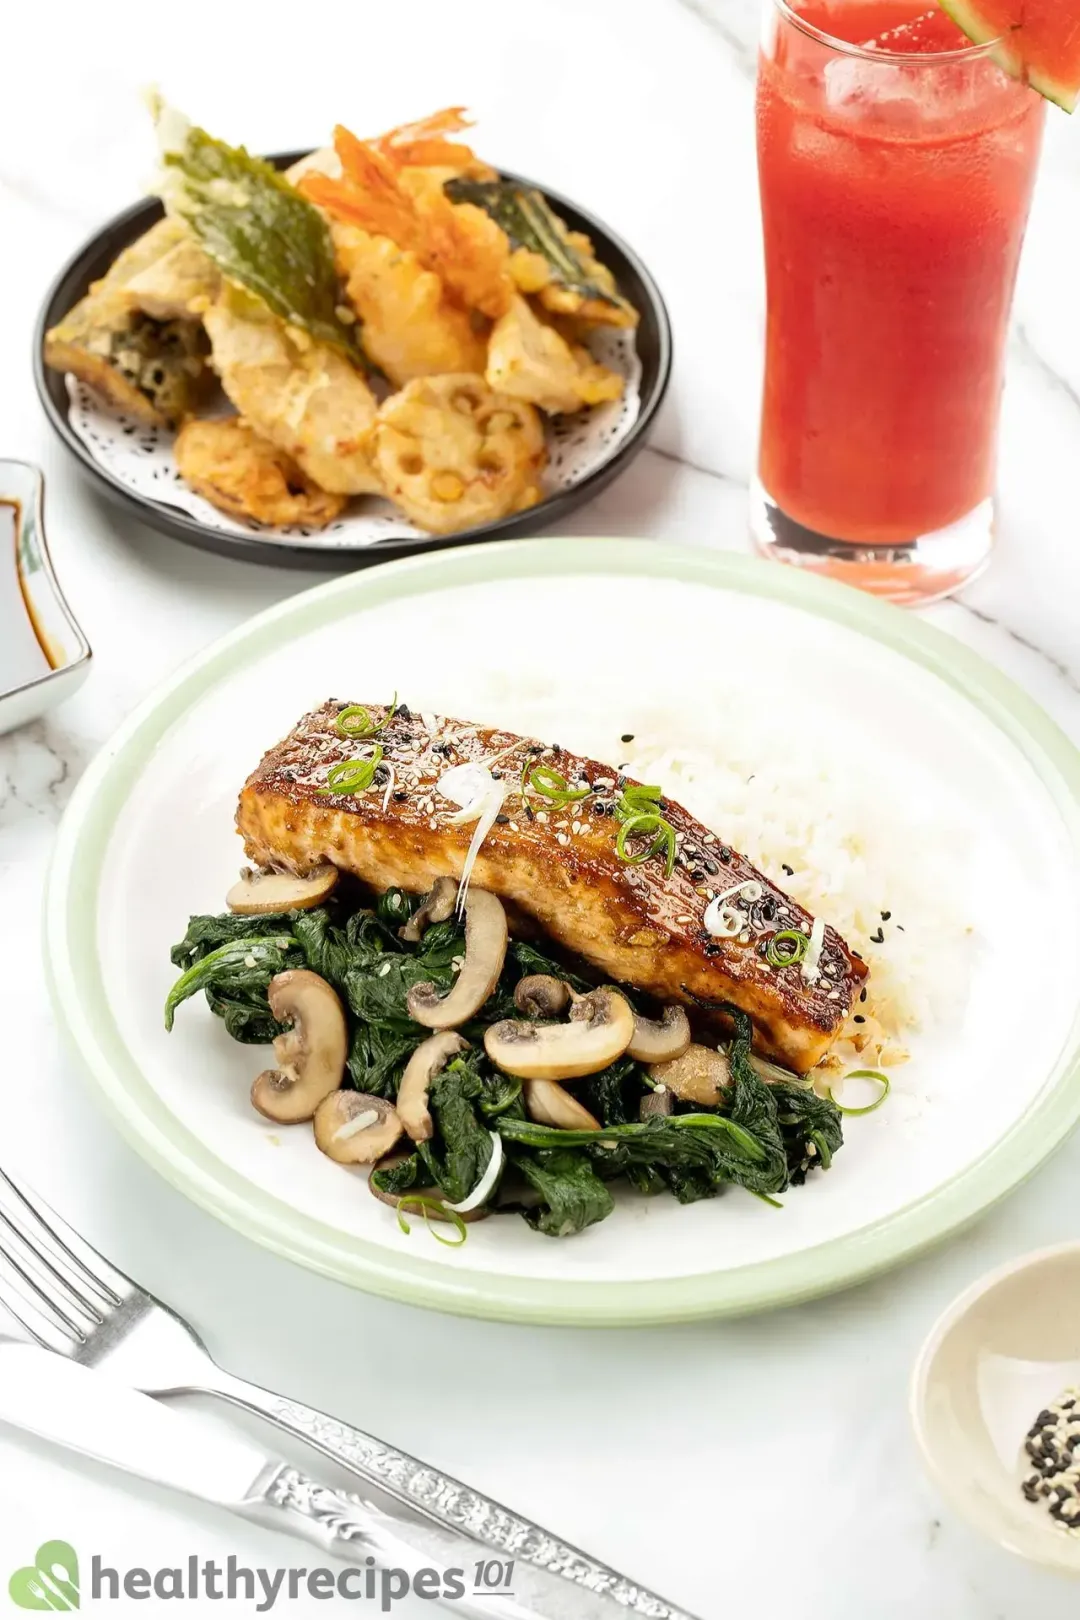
(761, 1465)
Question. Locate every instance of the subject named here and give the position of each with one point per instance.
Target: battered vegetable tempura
(388, 317)
(237, 471)
(303, 396)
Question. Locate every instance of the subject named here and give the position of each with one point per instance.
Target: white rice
(835, 842)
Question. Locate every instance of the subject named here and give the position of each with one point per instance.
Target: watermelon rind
(965, 14)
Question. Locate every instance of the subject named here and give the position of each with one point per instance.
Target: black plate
(94, 258)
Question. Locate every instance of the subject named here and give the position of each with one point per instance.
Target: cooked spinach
(763, 1137)
(572, 1194)
(236, 974)
(461, 1148)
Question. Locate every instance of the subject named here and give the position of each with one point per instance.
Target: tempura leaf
(260, 232)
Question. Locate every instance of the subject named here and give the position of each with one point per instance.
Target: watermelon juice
(896, 166)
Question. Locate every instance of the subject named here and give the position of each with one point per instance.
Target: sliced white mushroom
(429, 1059)
(352, 1127)
(657, 1040)
(311, 1053)
(437, 906)
(700, 1075)
(600, 1028)
(542, 995)
(550, 1104)
(256, 894)
(486, 938)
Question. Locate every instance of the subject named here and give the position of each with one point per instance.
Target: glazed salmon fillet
(555, 865)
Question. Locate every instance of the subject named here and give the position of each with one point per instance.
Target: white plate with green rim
(592, 635)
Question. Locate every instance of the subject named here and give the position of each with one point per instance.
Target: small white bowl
(1005, 1350)
(44, 656)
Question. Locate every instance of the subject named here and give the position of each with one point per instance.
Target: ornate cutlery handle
(461, 1522)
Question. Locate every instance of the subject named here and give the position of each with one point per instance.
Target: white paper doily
(140, 458)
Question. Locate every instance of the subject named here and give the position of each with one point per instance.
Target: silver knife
(74, 1407)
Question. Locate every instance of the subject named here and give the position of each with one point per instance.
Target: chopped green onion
(864, 1074)
(356, 721)
(786, 948)
(641, 825)
(637, 798)
(353, 775)
(824, 1151)
(554, 787)
(424, 1206)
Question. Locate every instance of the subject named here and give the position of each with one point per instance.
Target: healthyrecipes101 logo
(51, 1582)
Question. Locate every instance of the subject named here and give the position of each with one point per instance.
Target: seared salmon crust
(555, 865)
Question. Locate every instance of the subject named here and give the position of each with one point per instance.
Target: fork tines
(51, 1281)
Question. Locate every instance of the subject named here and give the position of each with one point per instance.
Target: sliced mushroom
(599, 1030)
(352, 1127)
(549, 1104)
(542, 995)
(434, 1203)
(311, 1053)
(656, 1103)
(257, 894)
(658, 1040)
(701, 1075)
(485, 952)
(429, 1059)
(436, 907)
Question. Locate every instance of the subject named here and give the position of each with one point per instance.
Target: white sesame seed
(562, 838)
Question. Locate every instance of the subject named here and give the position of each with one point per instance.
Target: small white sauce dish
(44, 656)
(1000, 1355)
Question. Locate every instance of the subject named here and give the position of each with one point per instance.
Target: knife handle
(396, 1550)
(462, 1523)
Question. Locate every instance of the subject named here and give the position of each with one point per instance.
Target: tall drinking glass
(896, 164)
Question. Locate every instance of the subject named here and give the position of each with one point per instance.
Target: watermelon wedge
(1039, 41)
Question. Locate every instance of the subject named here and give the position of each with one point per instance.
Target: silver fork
(70, 1299)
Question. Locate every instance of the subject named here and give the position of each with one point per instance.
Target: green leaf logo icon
(51, 1582)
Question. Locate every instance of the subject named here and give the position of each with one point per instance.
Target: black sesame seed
(697, 874)
(858, 1019)
(725, 854)
(496, 775)
(885, 915)
(712, 867)
(878, 938)
(1045, 1419)
(790, 870)
(404, 712)
(1030, 1492)
(400, 794)
(627, 736)
(502, 821)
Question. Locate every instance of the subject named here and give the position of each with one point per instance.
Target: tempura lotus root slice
(452, 453)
